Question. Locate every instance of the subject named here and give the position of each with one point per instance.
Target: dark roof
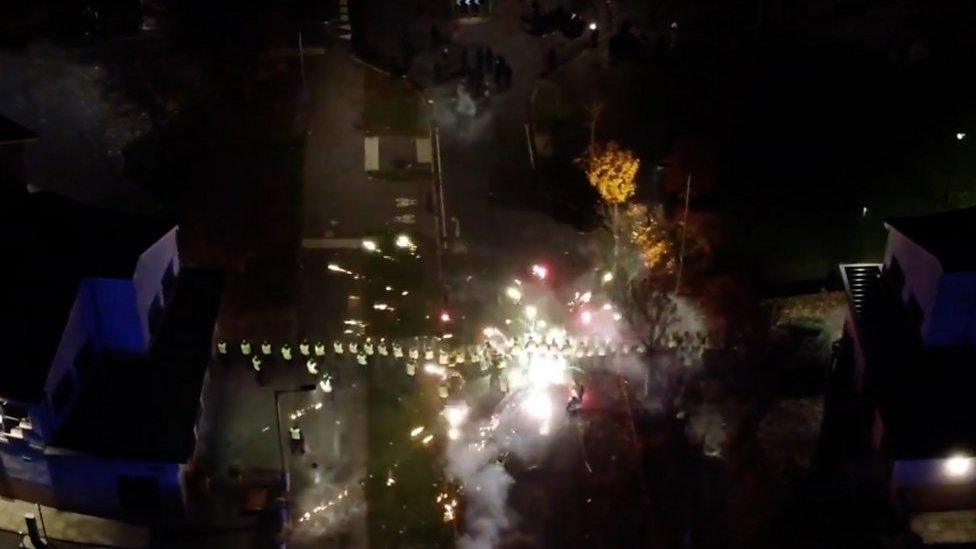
(55, 243)
(944, 235)
(147, 408)
(12, 132)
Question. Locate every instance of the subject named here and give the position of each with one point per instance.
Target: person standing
(246, 348)
(296, 439)
(222, 351)
(304, 348)
(286, 353)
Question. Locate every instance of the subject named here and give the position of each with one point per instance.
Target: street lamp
(960, 136)
(958, 467)
(281, 447)
(404, 241)
(369, 245)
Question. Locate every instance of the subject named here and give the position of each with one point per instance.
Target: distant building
(105, 343)
(904, 383)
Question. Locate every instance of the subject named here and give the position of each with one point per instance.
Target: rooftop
(55, 243)
(147, 408)
(12, 132)
(943, 235)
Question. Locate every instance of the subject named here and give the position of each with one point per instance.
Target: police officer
(337, 348)
(312, 366)
(266, 349)
(429, 353)
(414, 353)
(245, 347)
(326, 385)
(361, 359)
(382, 349)
(443, 358)
(368, 347)
(397, 350)
(304, 348)
(296, 439)
(319, 349)
(286, 352)
(411, 368)
(258, 371)
(222, 351)
(353, 348)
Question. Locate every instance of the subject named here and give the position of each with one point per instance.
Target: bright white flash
(537, 406)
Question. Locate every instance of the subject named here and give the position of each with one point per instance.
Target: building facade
(109, 341)
(905, 370)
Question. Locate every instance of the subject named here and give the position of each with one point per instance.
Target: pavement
(68, 529)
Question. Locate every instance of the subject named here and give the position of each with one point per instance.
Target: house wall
(922, 273)
(90, 485)
(104, 314)
(954, 317)
(149, 273)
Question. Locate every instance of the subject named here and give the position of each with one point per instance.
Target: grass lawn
(391, 107)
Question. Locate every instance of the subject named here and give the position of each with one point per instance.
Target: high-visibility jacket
(381, 348)
(397, 350)
(295, 433)
(429, 354)
(414, 353)
(353, 347)
(286, 352)
(337, 347)
(361, 359)
(411, 368)
(303, 348)
(442, 390)
(266, 349)
(256, 363)
(368, 348)
(222, 347)
(245, 347)
(326, 385)
(319, 349)
(443, 358)
(312, 366)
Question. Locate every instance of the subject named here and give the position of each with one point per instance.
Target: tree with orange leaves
(612, 171)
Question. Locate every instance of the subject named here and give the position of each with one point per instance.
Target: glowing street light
(445, 317)
(960, 136)
(959, 466)
(540, 271)
(404, 241)
(607, 277)
(593, 26)
(370, 245)
(531, 312)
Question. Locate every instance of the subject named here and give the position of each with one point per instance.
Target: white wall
(149, 273)
(922, 272)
